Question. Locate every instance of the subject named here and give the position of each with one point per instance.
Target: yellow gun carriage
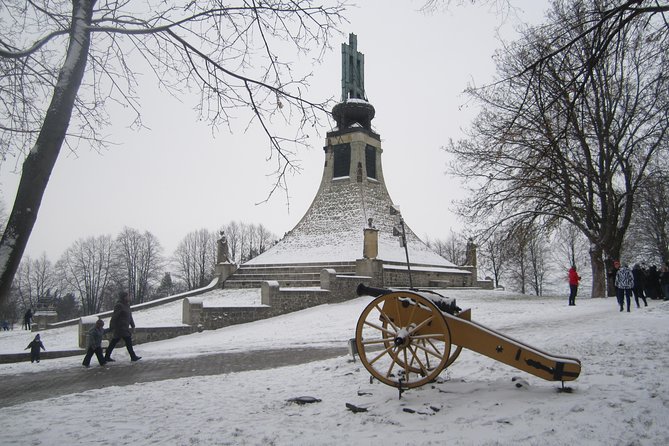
(406, 338)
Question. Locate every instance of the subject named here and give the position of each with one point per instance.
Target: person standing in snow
(664, 280)
(652, 283)
(624, 285)
(27, 319)
(34, 347)
(573, 284)
(95, 335)
(638, 275)
(120, 324)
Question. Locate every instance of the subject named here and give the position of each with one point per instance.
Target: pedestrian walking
(120, 325)
(94, 345)
(624, 285)
(34, 347)
(638, 289)
(574, 278)
(652, 283)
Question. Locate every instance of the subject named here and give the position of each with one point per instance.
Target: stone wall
(274, 301)
(141, 335)
(423, 278)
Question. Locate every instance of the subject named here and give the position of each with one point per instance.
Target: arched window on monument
(342, 160)
(370, 161)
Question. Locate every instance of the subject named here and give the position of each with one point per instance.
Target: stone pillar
(470, 253)
(328, 278)
(192, 311)
(225, 270)
(268, 291)
(370, 247)
(42, 318)
(371, 268)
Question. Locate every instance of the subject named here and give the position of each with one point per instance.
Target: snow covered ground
(621, 397)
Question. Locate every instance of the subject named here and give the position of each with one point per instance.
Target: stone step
(295, 275)
(235, 284)
(295, 268)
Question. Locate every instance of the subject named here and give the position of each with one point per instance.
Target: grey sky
(179, 176)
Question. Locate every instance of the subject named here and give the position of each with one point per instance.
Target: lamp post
(401, 233)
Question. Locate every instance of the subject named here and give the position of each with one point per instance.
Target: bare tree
(88, 267)
(546, 149)
(569, 247)
(606, 22)
(195, 257)
(537, 254)
(36, 281)
(266, 238)
(493, 256)
(63, 61)
(140, 256)
(648, 238)
(452, 249)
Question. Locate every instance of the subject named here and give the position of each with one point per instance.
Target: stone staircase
(297, 275)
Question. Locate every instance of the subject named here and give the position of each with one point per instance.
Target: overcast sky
(180, 176)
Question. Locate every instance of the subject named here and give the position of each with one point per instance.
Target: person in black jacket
(120, 324)
(95, 335)
(34, 347)
(638, 275)
(27, 319)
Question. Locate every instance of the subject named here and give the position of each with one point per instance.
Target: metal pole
(406, 251)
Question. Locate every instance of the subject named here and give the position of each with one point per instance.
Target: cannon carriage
(406, 338)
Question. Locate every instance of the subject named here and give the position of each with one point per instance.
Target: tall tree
(36, 281)
(493, 256)
(195, 257)
(606, 21)
(139, 254)
(88, 267)
(550, 149)
(649, 232)
(62, 61)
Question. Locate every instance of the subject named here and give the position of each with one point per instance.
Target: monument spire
(354, 107)
(352, 70)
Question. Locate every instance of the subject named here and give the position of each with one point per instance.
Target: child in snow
(34, 347)
(95, 335)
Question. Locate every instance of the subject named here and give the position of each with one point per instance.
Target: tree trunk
(598, 273)
(40, 161)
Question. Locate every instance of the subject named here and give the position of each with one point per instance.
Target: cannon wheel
(403, 339)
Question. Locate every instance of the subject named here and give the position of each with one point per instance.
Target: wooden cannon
(405, 337)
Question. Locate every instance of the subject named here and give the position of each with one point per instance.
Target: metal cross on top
(352, 70)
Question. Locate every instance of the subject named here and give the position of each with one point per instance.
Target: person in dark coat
(120, 324)
(652, 283)
(573, 284)
(639, 275)
(34, 347)
(27, 319)
(664, 280)
(95, 335)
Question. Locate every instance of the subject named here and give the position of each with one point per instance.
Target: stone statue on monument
(222, 251)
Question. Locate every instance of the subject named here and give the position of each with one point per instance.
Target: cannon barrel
(364, 290)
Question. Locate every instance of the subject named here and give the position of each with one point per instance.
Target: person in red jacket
(574, 278)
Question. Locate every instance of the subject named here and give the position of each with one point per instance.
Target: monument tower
(352, 207)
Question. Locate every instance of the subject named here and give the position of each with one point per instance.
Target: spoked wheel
(403, 339)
